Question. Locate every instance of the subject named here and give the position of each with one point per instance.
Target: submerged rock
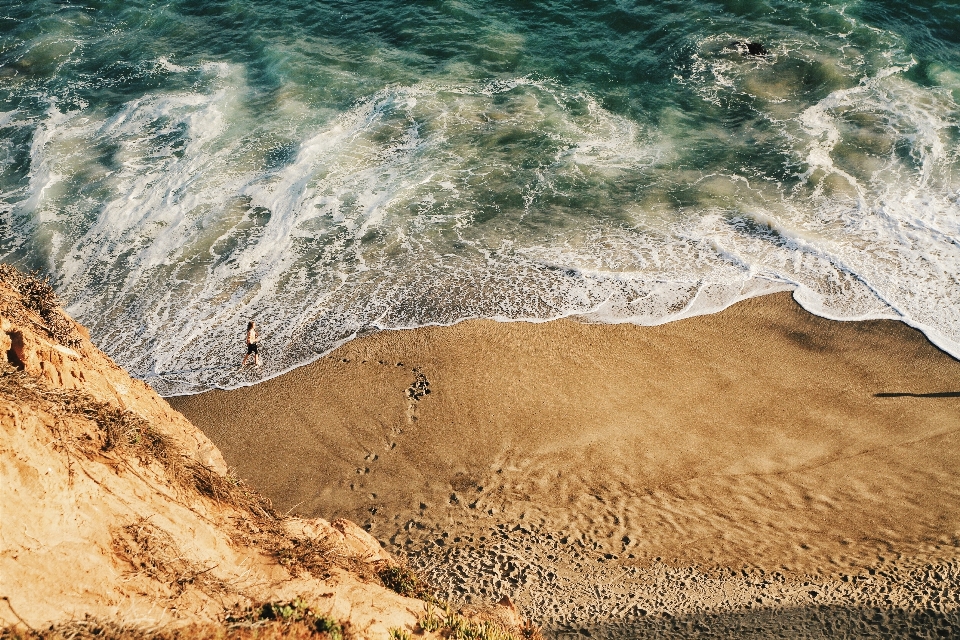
(748, 48)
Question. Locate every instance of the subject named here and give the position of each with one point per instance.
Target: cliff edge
(114, 507)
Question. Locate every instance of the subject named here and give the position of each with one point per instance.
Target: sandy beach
(758, 471)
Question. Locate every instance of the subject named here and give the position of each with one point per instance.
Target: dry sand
(756, 472)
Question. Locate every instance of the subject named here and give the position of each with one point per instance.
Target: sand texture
(757, 471)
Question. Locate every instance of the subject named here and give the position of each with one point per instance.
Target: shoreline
(761, 438)
(573, 317)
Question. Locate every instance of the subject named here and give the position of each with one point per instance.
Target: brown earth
(761, 468)
(114, 507)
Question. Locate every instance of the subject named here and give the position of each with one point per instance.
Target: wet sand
(758, 464)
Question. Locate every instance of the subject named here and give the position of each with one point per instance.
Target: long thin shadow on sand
(824, 621)
(941, 394)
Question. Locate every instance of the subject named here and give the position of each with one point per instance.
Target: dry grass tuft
(36, 295)
(92, 629)
(120, 431)
(315, 557)
(294, 620)
(229, 490)
(154, 554)
(530, 631)
(127, 434)
(319, 557)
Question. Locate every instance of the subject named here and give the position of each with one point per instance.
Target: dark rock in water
(751, 48)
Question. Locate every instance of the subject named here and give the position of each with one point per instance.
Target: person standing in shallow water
(251, 345)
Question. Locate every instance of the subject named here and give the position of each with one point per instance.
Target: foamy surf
(223, 190)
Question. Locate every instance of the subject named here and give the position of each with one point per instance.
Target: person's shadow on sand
(941, 394)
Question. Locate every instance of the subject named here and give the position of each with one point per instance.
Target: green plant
(94, 629)
(329, 626)
(457, 627)
(296, 612)
(430, 622)
(399, 634)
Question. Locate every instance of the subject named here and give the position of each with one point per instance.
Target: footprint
(420, 386)
(415, 392)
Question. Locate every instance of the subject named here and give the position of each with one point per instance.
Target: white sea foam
(164, 63)
(433, 203)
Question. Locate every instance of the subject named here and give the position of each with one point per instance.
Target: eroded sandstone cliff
(115, 507)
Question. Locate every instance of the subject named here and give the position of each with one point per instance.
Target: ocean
(334, 168)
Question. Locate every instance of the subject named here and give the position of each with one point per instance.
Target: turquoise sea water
(332, 167)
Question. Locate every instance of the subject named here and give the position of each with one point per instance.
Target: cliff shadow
(940, 394)
(825, 621)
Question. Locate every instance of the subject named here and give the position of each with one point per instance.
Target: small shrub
(295, 613)
(399, 634)
(457, 627)
(329, 626)
(430, 622)
(93, 629)
(407, 583)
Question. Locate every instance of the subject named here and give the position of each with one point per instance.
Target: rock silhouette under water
(750, 48)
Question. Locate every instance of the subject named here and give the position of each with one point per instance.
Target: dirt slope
(115, 506)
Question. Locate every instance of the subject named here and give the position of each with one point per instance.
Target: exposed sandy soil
(113, 507)
(760, 471)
